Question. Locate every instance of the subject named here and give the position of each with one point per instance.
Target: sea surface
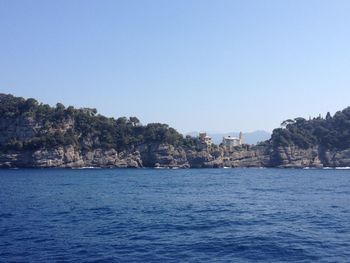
(195, 215)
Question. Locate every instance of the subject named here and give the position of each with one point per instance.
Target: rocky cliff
(317, 157)
(168, 156)
(68, 157)
(37, 135)
(152, 155)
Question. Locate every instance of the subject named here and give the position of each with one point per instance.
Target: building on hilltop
(229, 142)
(204, 140)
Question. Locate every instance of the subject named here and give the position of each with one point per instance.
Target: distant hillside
(248, 137)
(26, 124)
(317, 142)
(330, 133)
(33, 134)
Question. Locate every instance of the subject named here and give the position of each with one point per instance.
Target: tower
(240, 138)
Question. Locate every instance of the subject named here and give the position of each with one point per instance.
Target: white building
(229, 142)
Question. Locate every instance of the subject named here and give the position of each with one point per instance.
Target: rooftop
(231, 138)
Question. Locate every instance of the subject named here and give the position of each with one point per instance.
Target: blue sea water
(196, 215)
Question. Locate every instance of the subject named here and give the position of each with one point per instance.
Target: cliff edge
(33, 134)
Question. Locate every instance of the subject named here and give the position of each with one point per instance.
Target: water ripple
(231, 215)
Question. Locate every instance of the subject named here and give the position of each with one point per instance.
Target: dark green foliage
(81, 128)
(191, 142)
(330, 133)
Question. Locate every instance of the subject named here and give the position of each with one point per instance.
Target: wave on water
(85, 167)
(193, 215)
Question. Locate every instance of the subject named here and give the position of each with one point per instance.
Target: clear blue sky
(196, 65)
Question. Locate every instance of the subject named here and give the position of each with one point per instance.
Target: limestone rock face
(294, 157)
(150, 155)
(22, 128)
(163, 155)
(258, 157)
(336, 158)
(169, 156)
(68, 157)
(85, 151)
(19, 159)
(200, 159)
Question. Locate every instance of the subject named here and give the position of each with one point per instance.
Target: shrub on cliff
(329, 133)
(84, 128)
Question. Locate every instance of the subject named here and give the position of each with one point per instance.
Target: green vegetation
(26, 124)
(46, 127)
(330, 133)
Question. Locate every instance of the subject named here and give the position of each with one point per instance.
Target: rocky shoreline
(35, 135)
(168, 156)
